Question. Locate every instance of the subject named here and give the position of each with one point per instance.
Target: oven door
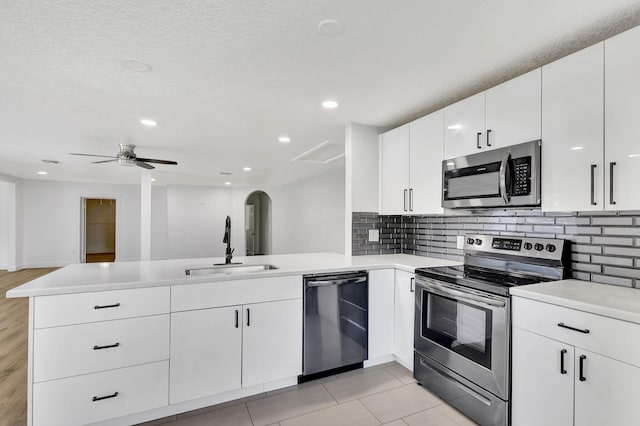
(465, 330)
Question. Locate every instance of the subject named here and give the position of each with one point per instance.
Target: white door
(395, 171)
(464, 127)
(573, 132)
(540, 393)
(272, 341)
(608, 395)
(426, 149)
(206, 353)
(404, 317)
(512, 112)
(622, 132)
(381, 290)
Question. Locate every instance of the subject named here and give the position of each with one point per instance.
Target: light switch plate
(374, 235)
(460, 242)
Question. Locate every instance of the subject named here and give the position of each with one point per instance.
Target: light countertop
(621, 303)
(86, 277)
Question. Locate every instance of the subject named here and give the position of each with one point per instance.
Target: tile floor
(385, 394)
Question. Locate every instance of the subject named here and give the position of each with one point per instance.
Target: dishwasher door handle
(326, 283)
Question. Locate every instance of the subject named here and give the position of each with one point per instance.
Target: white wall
(159, 222)
(4, 224)
(51, 216)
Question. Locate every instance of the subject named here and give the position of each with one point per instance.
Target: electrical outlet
(374, 235)
(460, 242)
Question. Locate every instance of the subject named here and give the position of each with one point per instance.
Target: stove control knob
(469, 240)
(538, 247)
(528, 246)
(551, 248)
(478, 241)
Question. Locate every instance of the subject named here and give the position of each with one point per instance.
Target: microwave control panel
(522, 178)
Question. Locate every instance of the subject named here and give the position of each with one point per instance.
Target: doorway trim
(82, 225)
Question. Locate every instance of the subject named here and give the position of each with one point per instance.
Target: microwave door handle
(503, 177)
(462, 295)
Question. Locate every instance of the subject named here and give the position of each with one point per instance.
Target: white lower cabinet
(381, 296)
(557, 381)
(404, 311)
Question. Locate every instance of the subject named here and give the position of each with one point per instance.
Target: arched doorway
(257, 223)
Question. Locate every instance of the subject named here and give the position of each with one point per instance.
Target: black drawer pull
(100, 398)
(248, 318)
(115, 305)
(236, 318)
(115, 345)
(562, 354)
(582, 358)
(579, 330)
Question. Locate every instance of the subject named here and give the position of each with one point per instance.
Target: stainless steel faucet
(227, 240)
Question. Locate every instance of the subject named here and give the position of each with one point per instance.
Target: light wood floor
(13, 347)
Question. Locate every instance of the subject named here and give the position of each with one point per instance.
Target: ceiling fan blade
(92, 155)
(144, 165)
(104, 161)
(152, 160)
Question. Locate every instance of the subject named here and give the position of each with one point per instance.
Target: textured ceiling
(230, 76)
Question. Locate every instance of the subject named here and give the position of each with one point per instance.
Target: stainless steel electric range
(463, 320)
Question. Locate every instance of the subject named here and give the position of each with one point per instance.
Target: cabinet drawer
(69, 351)
(607, 336)
(66, 309)
(237, 292)
(68, 402)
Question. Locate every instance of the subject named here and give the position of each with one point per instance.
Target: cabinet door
(395, 171)
(272, 341)
(462, 123)
(512, 113)
(540, 393)
(381, 290)
(573, 131)
(622, 133)
(426, 142)
(404, 317)
(608, 395)
(206, 353)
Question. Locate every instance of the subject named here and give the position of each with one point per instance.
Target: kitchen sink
(228, 269)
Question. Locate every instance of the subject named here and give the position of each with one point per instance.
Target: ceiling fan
(127, 157)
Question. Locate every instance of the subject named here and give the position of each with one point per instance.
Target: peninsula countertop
(88, 277)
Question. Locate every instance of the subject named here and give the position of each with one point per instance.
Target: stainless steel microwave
(503, 177)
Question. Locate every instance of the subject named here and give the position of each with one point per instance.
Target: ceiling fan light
(126, 161)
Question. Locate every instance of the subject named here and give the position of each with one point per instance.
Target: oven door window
(461, 327)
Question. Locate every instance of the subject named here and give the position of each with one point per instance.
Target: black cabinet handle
(410, 199)
(593, 189)
(582, 358)
(488, 132)
(115, 305)
(100, 398)
(405, 200)
(562, 354)
(237, 324)
(478, 140)
(248, 317)
(115, 345)
(412, 285)
(568, 327)
(611, 165)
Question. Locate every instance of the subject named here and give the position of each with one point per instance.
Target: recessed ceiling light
(330, 28)
(227, 183)
(577, 148)
(330, 104)
(153, 179)
(455, 127)
(137, 66)
(246, 169)
(148, 122)
(43, 173)
(284, 139)
(634, 155)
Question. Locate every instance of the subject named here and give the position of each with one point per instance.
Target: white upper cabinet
(394, 174)
(464, 127)
(425, 164)
(622, 132)
(504, 115)
(512, 111)
(411, 167)
(573, 132)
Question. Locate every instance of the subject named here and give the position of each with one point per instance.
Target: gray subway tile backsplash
(605, 245)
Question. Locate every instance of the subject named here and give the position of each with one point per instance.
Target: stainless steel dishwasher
(336, 323)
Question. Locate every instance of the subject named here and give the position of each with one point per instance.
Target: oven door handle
(445, 291)
(503, 178)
